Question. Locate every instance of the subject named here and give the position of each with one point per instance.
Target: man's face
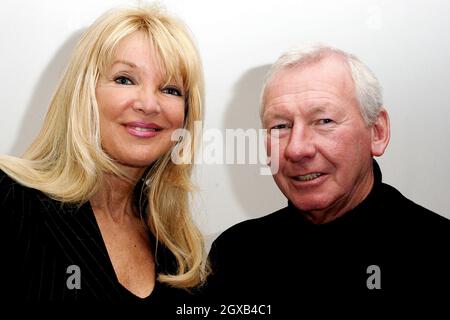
(325, 146)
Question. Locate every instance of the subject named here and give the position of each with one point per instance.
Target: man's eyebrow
(318, 109)
(274, 116)
(128, 63)
(327, 107)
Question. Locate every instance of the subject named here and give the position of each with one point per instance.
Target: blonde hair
(66, 160)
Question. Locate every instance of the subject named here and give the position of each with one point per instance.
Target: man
(344, 234)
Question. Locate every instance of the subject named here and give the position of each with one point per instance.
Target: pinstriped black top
(43, 237)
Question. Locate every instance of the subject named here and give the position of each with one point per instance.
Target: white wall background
(405, 43)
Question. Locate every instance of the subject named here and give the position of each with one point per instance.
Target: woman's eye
(123, 80)
(172, 91)
(324, 121)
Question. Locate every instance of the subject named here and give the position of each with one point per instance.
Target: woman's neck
(114, 197)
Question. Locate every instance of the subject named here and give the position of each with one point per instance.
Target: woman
(96, 209)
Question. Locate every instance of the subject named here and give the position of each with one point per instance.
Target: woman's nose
(147, 101)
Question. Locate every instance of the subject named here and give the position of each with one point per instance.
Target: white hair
(367, 87)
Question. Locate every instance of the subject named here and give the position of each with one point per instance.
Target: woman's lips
(142, 129)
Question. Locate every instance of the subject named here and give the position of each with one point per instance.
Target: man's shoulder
(411, 212)
(256, 226)
(253, 234)
(240, 249)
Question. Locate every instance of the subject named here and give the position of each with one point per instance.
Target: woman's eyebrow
(128, 63)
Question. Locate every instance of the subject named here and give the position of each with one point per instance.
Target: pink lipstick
(142, 129)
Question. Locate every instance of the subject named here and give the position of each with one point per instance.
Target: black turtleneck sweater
(285, 260)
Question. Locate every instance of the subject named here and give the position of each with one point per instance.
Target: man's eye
(280, 129)
(279, 126)
(172, 91)
(324, 121)
(123, 80)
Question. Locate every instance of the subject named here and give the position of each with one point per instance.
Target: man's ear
(381, 133)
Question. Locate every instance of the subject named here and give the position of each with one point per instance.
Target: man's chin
(315, 211)
(310, 205)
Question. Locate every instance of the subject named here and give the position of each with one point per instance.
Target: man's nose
(301, 144)
(147, 101)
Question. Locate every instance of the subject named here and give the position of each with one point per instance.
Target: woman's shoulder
(16, 200)
(9, 188)
(5, 180)
(12, 190)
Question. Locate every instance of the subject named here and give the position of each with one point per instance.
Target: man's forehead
(304, 89)
(330, 70)
(329, 77)
(310, 93)
(306, 107)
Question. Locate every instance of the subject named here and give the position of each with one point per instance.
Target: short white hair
(367, 88)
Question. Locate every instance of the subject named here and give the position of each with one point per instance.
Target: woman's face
(138, 111)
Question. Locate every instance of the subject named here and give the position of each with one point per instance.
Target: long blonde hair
(66, 160)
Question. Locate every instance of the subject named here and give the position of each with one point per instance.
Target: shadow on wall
(40, 99)
(257, 194)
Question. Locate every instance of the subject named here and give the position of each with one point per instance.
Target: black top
(44, 237)
(284, 260)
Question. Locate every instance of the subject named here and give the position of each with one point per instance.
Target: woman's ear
(381, 133)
